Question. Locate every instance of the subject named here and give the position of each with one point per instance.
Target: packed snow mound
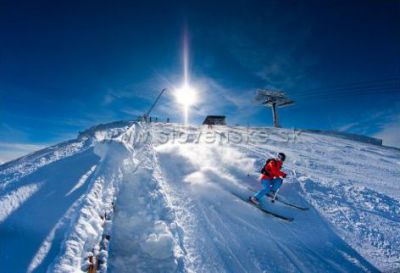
(134, 197)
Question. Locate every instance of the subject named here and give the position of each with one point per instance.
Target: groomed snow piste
(135, 197)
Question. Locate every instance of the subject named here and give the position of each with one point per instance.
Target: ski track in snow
(174, 211)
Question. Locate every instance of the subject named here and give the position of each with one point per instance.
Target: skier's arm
(275, 171)
(279, 173)
(282, 174)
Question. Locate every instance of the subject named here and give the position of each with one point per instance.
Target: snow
(48, 242)
(17, 169)
(230, 228)
(142, 207)
(162, 195)
(13, 200)
(159, 244)
(82, 180)
(28, 229)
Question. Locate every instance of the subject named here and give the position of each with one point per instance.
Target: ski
(278, 199)
(271, 213)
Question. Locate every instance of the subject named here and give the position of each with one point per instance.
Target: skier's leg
(276, 184)
(264, 190)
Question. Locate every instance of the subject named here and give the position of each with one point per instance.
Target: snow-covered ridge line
(17, 169)
(23, 166)
(117, 127)
(26, 164)
(355, 137)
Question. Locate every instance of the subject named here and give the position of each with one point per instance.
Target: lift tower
(273, 99)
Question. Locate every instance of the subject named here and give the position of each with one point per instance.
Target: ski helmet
(282, 156)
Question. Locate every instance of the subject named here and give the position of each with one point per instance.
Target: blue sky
(69, 65)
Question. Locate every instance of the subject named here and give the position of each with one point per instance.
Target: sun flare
(185, 95)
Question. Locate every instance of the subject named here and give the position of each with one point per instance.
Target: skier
(271, 178)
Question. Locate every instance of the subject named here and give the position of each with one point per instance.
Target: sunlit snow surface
(174, 212)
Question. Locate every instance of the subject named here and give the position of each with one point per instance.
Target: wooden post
(92, 265)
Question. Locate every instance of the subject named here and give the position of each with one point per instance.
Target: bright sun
(185, 95)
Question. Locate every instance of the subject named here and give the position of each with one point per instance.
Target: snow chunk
(160, 243)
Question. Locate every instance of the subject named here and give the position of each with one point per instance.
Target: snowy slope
(162, 195)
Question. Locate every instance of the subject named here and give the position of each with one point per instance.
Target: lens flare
(186, 96)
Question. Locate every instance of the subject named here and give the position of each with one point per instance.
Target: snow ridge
(92, 222)
(19, 168)
(145, 236)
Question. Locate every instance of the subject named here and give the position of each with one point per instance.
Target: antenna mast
(154, 104)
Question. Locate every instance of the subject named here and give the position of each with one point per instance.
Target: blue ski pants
(268, 185)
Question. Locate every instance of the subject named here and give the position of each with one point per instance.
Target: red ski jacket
(273, 170)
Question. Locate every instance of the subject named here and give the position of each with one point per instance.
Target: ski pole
(274, 197)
